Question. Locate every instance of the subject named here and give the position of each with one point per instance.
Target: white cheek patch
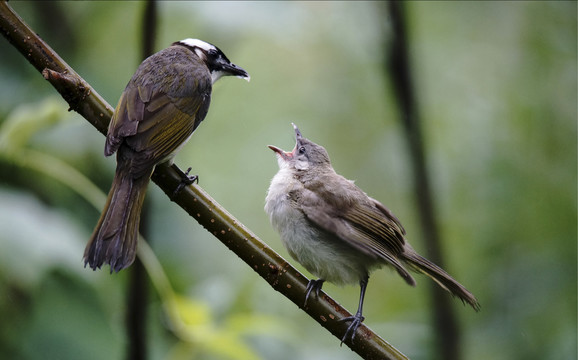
(301, 165)
(198, 43)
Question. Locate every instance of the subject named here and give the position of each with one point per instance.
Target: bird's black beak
(234, 70)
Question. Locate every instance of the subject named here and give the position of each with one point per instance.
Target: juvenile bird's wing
(367, 226)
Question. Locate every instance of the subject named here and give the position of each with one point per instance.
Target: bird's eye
(302, 150)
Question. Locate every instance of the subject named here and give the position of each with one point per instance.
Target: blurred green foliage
(497, 85)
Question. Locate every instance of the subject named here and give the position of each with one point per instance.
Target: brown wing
(363, 225)
(153, 127)
(379, 224)
(160, 108)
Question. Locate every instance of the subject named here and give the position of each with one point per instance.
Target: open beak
(288, 155)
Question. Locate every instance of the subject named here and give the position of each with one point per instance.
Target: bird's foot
(186, 180)
(356, 321)
(313, 285)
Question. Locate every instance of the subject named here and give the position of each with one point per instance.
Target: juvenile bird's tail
(423, 265)
(115, 237)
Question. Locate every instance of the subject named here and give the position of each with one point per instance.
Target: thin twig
(269, 265)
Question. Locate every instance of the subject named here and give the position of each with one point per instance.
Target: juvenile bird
(158, 111)
(339, 233)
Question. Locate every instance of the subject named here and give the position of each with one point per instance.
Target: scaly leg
(358, 318)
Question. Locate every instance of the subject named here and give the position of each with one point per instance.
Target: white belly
(325, 256)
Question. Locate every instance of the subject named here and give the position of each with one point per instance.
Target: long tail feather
(115, 237)
(423, 265)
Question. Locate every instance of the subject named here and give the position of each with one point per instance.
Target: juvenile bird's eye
(302, 150)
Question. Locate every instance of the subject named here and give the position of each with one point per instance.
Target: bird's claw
(186, 180)
(356, 321)
(313, 285)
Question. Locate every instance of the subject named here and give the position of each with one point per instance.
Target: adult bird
(158, 111)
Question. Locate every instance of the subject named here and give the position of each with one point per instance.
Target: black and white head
(305, 155)
(215, 59)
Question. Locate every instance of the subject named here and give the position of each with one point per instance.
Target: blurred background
(497, 93)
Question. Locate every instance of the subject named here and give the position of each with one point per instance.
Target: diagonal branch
(194, 200)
